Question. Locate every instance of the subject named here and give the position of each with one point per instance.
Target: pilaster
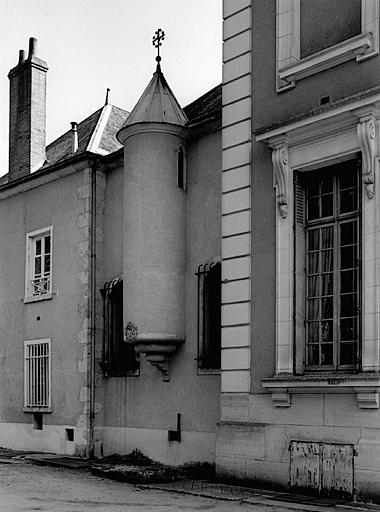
(236, 196)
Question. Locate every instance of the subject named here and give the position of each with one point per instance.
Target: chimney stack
(74, 136)
(27, 114)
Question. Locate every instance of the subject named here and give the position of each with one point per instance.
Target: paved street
(28, 487)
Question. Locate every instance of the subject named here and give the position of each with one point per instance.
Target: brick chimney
(27, 114)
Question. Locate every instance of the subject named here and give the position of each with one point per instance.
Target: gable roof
(96, 134)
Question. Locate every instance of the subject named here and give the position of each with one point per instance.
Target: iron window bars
(37, 374)
(119, 357)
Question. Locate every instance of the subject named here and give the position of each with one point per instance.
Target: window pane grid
(332, 271)
(320, 298)
(349, 292)
(41, 265)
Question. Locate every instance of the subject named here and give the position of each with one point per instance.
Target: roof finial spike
(107, 94)
(158, 37)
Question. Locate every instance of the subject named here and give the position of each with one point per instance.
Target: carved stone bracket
(366, 134)
(281, 398)
(367, 398)
(159, 355)
(280, 159)
(157, 347)
(162, 363)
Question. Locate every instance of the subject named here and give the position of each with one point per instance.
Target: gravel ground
(28, 487)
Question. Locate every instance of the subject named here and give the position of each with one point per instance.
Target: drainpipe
(92, 298)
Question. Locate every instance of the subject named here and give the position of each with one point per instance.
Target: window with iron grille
(119, 357)
(328, 206)
(209, 316)
(37, 375)
(38, 264)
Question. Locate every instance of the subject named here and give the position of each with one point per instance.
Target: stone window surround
(30, 237)
(332, 135)
(291, 68)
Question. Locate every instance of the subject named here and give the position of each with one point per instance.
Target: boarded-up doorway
(322, 469)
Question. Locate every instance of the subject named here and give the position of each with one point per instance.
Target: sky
(92, 45)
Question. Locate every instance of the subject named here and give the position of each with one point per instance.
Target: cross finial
(158, 37)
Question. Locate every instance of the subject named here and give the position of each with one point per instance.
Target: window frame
(109, 318)
(31, 239)
(181, 168)
(37, 408)
(301, 266)
(202, 273)
(291, 68)
(319, 140)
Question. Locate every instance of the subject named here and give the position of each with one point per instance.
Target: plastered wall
(338, 82)
(61, 318)
(140, 410)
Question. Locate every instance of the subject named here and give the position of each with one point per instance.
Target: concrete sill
(365, 385)
(38, 409)
(353, 48)
(37, 298)
(208, 371)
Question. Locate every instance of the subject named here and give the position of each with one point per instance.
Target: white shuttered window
(39, 245)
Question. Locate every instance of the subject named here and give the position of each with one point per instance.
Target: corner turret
(154, 263)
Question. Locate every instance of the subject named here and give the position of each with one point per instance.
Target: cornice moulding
(366, 387)
(338, 54)
(322, 124)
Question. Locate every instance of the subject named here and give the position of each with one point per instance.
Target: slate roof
(116, 120)
(95, 134)
(209, 103)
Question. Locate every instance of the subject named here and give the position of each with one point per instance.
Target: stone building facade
(110, 255)
(254, 213)
(300, 216)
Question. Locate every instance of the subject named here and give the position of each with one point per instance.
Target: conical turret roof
(157, 104)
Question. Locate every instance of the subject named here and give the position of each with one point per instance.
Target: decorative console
(157, 347)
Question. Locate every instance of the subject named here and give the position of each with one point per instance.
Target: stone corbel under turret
(280, 159)
(157, 347)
